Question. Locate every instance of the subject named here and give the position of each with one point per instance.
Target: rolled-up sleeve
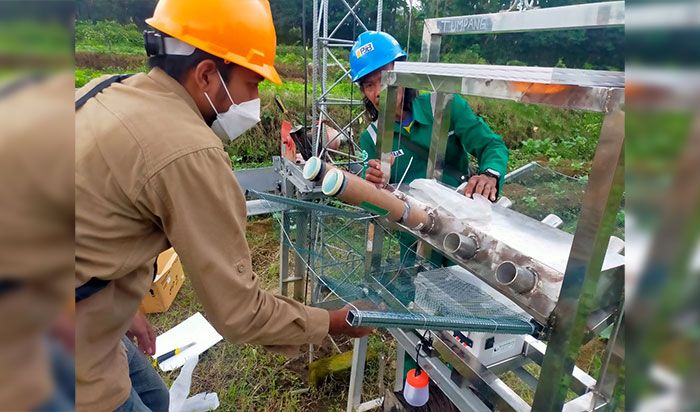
(197, 202)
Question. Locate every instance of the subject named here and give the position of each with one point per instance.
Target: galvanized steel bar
(357, 373)
(352, 10)
(262, 207)
(304, 205)
(521, 74)
(441, 127)
(385, 124)
(613, 362)
(512, 326)
(576, 299)
(316, 24)
(430, 45)
(329, 40)
(590, 98)
(284, 255)
(579, 16)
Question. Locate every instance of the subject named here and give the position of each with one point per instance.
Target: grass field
(249, 378)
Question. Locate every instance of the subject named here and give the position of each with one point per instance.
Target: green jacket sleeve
(477, 138)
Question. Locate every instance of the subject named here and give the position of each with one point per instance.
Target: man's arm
(477, 138)
(200, 206)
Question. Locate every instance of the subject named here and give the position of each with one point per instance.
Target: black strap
(95, 285)
(8, 285)
(91, 287)
(117, 78)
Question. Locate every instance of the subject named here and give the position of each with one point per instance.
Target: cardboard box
(166, 284)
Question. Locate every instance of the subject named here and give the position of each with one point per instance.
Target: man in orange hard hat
(151, 173)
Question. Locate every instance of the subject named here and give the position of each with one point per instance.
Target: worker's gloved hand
(486, 186)
(144, 334)
(339, 326)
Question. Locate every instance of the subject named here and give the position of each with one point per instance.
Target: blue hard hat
(372, 50)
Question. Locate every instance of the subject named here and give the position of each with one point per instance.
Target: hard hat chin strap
(158, 44)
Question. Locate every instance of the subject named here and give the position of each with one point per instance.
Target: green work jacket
(468, 134)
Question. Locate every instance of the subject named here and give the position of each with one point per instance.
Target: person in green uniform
(375, 52)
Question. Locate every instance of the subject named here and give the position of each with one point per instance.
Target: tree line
(593, 49)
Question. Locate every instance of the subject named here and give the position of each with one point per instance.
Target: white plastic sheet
(476, 210)
(194, 329)
(180, 392)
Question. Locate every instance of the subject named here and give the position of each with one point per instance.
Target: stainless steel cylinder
(460, 245)
(518, 278)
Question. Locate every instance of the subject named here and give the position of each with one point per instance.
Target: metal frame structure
(572, 318)
(325, 40)
(580, 16)
(569, 322)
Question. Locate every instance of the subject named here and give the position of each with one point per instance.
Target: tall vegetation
(594, 49)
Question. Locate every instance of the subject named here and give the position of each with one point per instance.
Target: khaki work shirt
(150, 174)
(36, 233)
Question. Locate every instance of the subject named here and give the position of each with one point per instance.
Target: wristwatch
(492, 173)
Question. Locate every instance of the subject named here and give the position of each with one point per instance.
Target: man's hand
(486, 186)
(143, 332)
(374, 173)
(339, 326)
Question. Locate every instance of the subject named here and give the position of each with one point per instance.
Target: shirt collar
(172, 85)
(422, 113)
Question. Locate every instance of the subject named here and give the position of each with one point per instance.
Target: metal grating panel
(444, 299)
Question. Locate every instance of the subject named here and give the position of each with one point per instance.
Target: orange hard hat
(239, 31)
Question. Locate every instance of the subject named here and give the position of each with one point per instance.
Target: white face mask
(237, 119)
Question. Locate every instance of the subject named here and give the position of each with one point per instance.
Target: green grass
(108, 37)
